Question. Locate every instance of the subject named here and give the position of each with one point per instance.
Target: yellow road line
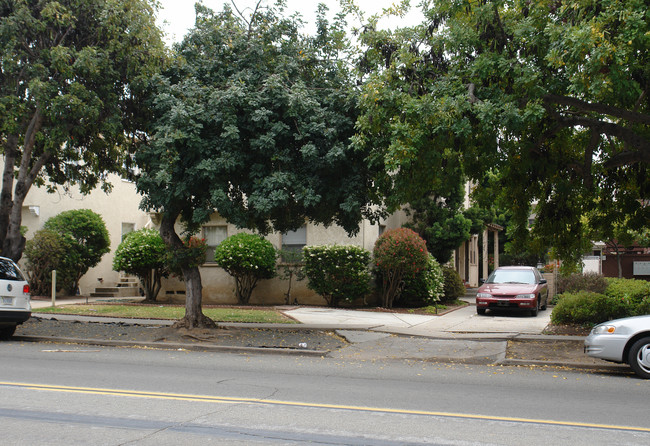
(232, 400)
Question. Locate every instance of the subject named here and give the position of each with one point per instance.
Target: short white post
(53, 287)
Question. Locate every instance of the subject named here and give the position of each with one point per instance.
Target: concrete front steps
(126, 287)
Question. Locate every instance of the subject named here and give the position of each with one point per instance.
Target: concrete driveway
(464, 320)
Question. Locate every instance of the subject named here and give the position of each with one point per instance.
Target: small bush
(337, 272)
(582, 282)
(427, 288)
(44, 253)
(587, 308)
(454, 287)
(400, 254)
(248, 258)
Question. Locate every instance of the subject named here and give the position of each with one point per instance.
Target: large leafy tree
(253, 121)
(552, 95)
(70, 96)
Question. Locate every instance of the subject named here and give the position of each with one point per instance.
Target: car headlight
(484, 295)
(525, 296)
(602, 329)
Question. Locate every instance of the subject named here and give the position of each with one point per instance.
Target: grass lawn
(170, 312)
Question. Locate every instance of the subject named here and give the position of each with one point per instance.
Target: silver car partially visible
(624, 340)
(15, 304)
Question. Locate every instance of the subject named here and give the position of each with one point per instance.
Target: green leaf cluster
(337, 272)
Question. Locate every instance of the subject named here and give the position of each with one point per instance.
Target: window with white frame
(213, 235)
(292, 244)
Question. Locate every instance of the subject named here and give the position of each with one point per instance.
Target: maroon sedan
(513, 287)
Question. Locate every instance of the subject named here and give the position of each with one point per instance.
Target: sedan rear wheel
(639, 357)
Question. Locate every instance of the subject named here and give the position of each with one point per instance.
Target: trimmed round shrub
(454, 287)
(587, 308)
(573, 283)
(143, 253)
(337, 272)
(86, 241)
(248, 258)
(43, 253)
(427, 288)
(400, 254)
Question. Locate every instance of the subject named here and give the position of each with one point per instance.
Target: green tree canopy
(254, 121)
(85, 239)
(551, 95)
(70, 95)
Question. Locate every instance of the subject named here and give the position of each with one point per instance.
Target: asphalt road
(69, 394)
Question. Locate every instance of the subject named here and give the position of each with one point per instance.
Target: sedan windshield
(512, 276)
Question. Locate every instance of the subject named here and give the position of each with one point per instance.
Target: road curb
(175, 346)
(622, 368)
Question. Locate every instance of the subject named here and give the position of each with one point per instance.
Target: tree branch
(630, 116)
(631, 138)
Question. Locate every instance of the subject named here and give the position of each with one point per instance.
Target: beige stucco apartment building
(121, 213)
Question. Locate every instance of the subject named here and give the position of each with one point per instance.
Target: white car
(15, 305)
(623, 340)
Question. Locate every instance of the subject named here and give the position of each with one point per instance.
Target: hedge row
(620, 298)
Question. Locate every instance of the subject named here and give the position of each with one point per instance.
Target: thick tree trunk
(6, 194)
(13, 242)
(194, 317)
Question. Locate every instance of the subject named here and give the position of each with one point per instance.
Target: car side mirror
(482, 281)
(543, 281)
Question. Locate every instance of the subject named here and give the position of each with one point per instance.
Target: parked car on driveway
(624, 340)
(515, 288)
(15, 305)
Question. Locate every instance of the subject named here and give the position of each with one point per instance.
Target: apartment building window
(213, 235)
(127, 228)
